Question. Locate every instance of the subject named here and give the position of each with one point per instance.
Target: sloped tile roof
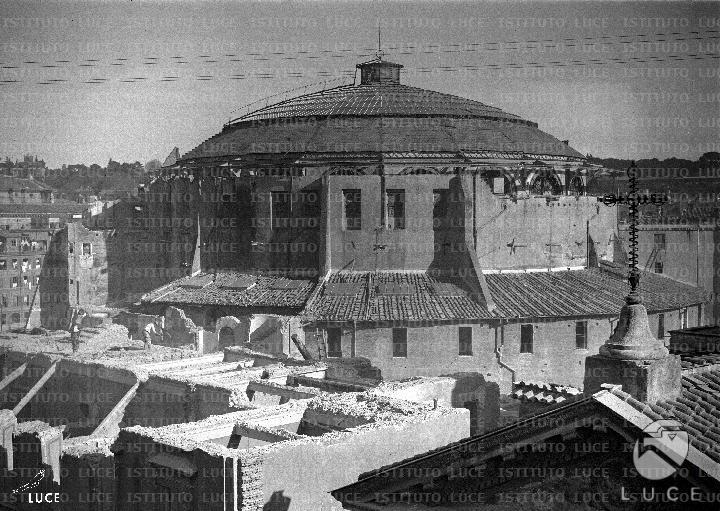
(419, 296)
(589, 292)
(221, 289)
(549, 393)
(697, 409)
(394, 296)
(694, 362)
(593, 291)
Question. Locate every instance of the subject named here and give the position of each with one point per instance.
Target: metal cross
(633, 200)
(513, 246)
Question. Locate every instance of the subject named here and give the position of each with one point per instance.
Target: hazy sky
(630, 110)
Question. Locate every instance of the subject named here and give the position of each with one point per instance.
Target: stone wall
(89, 474)
(168, 475)
(88, 266)
(301, 473)
(689, 256)
(433, 350)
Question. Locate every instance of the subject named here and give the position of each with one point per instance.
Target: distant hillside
(692, 186)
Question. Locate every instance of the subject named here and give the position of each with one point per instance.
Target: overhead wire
(368, 52)
(423, 69)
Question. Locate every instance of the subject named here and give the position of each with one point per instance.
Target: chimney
(634, 358)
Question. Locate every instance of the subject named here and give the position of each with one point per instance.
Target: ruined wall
(161, 476)
(159, 402)
(88, 469)
(460, 390)
(134, 322)
(78, 395)
(162, 401)
(179, 330)
(301, 473)
(88, 266)
(53, 288)
(271, 333)
(37, 447)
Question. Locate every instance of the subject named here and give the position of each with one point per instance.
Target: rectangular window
(3, 319)
(26, 300)
(661, 326)
(683, 318)
(4, 301)
(659, 241)
(499, 185)
(465, 340)
(699, 315)
(14, 282)
(334, 347)
(18, 301)
(581, 335)
(14, 264)
(526, 338)
(3, 264)
(352, 210)
(280, 205)
(87, 249)
(26, 282)
(71, 248)
(37, 262)
(658, 267)
(399, 342)
(396, 209)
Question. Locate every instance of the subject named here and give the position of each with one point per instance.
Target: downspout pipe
(498, 351)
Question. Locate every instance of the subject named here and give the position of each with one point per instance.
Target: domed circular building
(429, 233)
(381, 119)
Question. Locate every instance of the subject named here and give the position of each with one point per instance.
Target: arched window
(576, 186)
(546, 183)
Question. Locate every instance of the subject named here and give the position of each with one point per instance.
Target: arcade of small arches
(538, 178)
